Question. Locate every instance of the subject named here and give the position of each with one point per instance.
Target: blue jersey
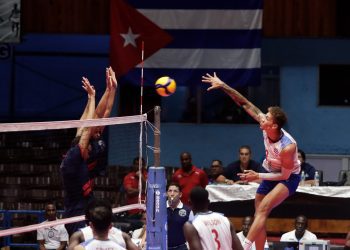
(77, 186)
(75, 176)
(176, 220)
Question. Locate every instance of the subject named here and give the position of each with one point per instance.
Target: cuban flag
(186, 39)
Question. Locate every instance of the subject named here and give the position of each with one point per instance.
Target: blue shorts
(291, 183)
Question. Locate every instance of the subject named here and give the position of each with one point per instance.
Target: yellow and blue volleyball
(165, 86)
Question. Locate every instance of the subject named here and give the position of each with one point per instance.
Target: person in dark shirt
(244, 163)
(215, 175)
(74, 169)
(178, 214)
(85, 159)
(308, 169)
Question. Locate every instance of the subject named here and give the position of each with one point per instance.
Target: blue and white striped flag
(222, 36)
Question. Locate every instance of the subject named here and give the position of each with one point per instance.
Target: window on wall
(334, 82)
(194, 104)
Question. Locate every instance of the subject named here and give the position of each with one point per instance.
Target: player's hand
(249, 175)
(88, 87)
(213, 80)
(111, 79)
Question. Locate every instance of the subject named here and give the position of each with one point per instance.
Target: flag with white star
(222, 36)
(129, 28)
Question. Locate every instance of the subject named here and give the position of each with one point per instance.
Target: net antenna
(141, 124)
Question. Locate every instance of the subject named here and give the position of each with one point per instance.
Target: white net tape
(35, 126)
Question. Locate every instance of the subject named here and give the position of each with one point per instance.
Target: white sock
(247, 244)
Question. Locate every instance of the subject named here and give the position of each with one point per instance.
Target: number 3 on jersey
(216, 238)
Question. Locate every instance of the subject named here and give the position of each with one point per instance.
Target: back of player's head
(94, 204)
(199, 198)
(279, 116)
(101, 216)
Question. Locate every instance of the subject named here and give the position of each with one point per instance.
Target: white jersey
(52, 236)
(272, 162)
(114, 234)
(213, 230)
(290, 236)
(94, 244)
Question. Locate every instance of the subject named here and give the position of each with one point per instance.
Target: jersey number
(216, 236)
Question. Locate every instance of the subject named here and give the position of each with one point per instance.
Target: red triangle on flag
(128, 29)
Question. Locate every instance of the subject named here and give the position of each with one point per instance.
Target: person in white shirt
(100, 223)
(208, 230)
(55, 237)
(86, 233)
(246, 224)
(138, 236)
(300, 233)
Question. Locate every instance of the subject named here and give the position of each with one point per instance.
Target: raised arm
(240, 100)
(86, 132)
(85, 113)
(112, 84)
(105, 105)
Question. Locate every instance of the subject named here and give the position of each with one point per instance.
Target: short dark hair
(94, 204)
(101, 216)
(304, 217)
(219, 161)
(199, 198)
(302, 154)
(186, 153)
(176, 184)
(279, 116)
(136, 159)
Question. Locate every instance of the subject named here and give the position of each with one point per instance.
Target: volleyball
(165, 86)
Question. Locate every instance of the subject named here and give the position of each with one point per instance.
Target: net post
(157, 136)
(157, 235)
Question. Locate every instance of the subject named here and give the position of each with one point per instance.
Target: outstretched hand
(213, 80)
(88, 87)
(111, 80)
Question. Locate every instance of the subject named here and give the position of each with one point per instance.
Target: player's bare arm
(287, 156)
(76, 238)
(236, 243)
(237, 97)
(86, 132)
(112, 84)
(90, 91)
(128, 242)
(192, 236)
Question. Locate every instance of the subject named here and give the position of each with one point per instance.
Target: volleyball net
(31, 154)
